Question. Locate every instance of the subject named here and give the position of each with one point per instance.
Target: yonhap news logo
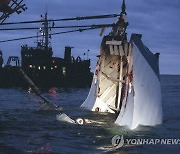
(119, 141)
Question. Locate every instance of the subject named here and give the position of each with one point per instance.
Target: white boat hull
(137, 101)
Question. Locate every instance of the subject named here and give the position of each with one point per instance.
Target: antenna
(123, 7)
(46, 9)
(46, 29)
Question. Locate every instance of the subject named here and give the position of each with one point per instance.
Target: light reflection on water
(26, 129)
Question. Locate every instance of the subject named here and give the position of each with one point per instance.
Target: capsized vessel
(126, 80)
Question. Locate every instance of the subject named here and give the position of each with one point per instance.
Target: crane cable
(64, 32)
(57, 27)
(65, 19)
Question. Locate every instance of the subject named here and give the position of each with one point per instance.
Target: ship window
(55, 66)
(44, 67)
(39, 67)
(64, 70)
(30, 66)
(52, 68)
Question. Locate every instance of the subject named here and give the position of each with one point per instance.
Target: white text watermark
(119, 140)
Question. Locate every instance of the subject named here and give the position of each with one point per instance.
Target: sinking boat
(126, 80)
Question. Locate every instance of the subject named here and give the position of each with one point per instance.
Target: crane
(8, 7)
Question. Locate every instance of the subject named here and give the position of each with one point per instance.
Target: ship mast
(123, 7)
(120, 31)
(123, 23)
(46, 30)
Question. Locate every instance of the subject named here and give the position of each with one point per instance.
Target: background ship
(44, 69)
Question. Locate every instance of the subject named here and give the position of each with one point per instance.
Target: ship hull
(144, 105)
(128, 87)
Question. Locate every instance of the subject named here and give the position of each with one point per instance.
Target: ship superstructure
(44, 69)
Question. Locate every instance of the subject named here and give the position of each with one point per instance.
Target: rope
(65, 19)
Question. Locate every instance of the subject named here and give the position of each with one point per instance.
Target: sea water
(26, 128)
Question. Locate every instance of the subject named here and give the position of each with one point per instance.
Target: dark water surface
(26, 129)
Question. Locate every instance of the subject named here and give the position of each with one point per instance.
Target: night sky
(157, 20)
